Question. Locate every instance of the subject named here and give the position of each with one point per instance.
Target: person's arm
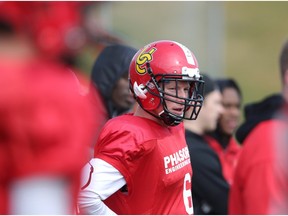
(99, 181)
(259, 188)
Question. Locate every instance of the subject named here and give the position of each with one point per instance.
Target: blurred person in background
(222, 139)
(45, 128)
(51, 31)
(59, 32)
(258, 180)
(109, 84)
(278, 204)
(210, 188)
(54, 28)
(44, 137)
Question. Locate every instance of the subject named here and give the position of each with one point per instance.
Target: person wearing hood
(109, 84)
(259, 185)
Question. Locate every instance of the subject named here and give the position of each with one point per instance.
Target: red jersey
(44, 126)
(228, 157)
(255, 184)
(279, 203)
(155, 163)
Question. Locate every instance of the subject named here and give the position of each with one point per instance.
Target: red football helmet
(158, 63)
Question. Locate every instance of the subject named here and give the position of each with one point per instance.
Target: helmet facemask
(172, 64)
(188, 106)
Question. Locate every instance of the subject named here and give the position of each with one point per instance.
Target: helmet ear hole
(139, 90)
(146, 100)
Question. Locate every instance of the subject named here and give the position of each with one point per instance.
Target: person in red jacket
(278, 204)
(109, 84)
(44, 137)
(222, 139)
(45, 129)
(256, 181)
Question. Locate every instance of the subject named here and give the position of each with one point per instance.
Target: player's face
(230, 118)
(179, 90)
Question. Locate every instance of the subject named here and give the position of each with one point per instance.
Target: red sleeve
(47, 122)
(279, 202)
(115, 146)
(45, 125)
(254, 183)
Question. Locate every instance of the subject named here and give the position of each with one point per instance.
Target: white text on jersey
(176, 160)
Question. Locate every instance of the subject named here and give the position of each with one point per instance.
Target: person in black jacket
(222, 139)
(110, 77)
(209, 187)
(110, 86)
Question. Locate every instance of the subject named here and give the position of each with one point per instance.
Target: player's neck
(142, 113)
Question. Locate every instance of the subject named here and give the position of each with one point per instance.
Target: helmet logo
(142, 59)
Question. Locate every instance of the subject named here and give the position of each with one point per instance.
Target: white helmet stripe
(188, 54)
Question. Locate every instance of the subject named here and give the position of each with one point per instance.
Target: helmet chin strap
(169, 119)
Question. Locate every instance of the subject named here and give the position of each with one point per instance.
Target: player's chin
(178, 113)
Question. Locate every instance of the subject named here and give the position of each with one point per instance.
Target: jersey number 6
(187, 195)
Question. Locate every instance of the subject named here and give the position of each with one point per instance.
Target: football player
(141, 163)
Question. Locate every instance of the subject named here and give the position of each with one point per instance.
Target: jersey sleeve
(254, 183)
(99, 180)
(117, 148)
(47, 125)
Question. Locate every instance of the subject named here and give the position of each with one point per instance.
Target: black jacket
(112, 63)
(209, 187)
(255, 113)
